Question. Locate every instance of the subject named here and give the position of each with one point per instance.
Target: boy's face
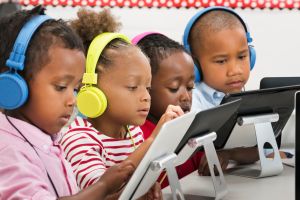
(172, 84)
(51, 90)
(126, 85)
(224, 60)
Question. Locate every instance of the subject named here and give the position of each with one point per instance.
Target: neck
(108, 127)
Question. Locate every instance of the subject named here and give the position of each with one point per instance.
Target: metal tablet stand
(220, 188)
(155, 168)
(264, 134)
(170, 161)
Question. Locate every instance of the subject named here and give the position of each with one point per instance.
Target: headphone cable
(35, 152)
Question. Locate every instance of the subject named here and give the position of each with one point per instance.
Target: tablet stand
(264, 134)
(167, 162)
(220, 188)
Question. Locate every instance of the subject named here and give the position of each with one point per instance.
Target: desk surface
(276, 187)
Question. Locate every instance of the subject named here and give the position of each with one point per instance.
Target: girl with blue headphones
(42, 62)
(115, 98)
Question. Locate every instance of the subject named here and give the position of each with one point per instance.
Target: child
(31, 160)
(218, 40)
(113, 135)
(172, 83)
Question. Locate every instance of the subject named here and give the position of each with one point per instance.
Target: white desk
(242, 188)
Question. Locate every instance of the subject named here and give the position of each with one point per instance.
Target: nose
(234, 68)
(185, 95)
(71, 99)
(146, 96)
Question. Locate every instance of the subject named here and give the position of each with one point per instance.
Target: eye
(242, 57)
(60, 88)
(173, 90)
(132, 88)
(148, 89)
(190, 88)
(76, 90)
(223, 61)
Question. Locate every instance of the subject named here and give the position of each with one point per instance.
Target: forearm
(243, 155)
(139, 153)
(94, 192)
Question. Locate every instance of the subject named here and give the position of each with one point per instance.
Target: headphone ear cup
(197, 74)
(91, 101)
(13, 91)
(197, 71)
(252, 53)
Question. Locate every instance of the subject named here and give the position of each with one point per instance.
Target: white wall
(275, 34)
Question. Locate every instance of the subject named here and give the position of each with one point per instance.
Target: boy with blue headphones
(219, 42)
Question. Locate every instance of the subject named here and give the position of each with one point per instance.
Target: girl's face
(51, 90)
(126, 85)
(224, 60)
(172, 84)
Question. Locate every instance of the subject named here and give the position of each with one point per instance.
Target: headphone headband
(13, 87)
(95, 49)
(17, 56)
(205, 11)
(139, 37)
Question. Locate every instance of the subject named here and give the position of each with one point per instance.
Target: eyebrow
(224, 55)
(66, 77)
(178, 78)
(244, 51)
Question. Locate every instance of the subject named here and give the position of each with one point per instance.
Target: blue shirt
(205, 97)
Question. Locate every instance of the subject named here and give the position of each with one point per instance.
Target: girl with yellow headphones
(115, 98)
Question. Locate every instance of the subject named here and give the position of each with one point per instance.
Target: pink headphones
(139, 37)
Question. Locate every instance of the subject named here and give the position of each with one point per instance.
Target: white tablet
(165, 143)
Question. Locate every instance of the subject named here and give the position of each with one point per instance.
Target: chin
(236, 90)
(139, 122)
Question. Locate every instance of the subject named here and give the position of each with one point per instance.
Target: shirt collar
(33, 134)
(212, 94)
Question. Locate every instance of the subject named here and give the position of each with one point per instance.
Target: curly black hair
(158, 47)
(52, 32)
(90, 24)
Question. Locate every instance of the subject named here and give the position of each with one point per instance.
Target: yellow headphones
(91, 101)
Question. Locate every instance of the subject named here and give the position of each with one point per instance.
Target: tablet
(271, 82)
(211, 120)
(265, 101)
(165, 143)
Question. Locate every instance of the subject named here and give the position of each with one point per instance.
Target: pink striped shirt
(23, 173)
(91, 152)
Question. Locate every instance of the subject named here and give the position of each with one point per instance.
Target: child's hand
(116, 176)
(172, 112)
(203, 168)
(153, 194)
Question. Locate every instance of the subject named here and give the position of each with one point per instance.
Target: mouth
(144, 112)
(186, 108)
(65, 118)
(236, 84)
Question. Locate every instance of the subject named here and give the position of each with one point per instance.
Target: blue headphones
(203, 12)
(13, 88)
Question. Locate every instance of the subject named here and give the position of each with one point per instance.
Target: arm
(172, 112)
(86, 155)
(241, 155)
(22, 177)
(110, 182)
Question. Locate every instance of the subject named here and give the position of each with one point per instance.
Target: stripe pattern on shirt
(91, 152)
